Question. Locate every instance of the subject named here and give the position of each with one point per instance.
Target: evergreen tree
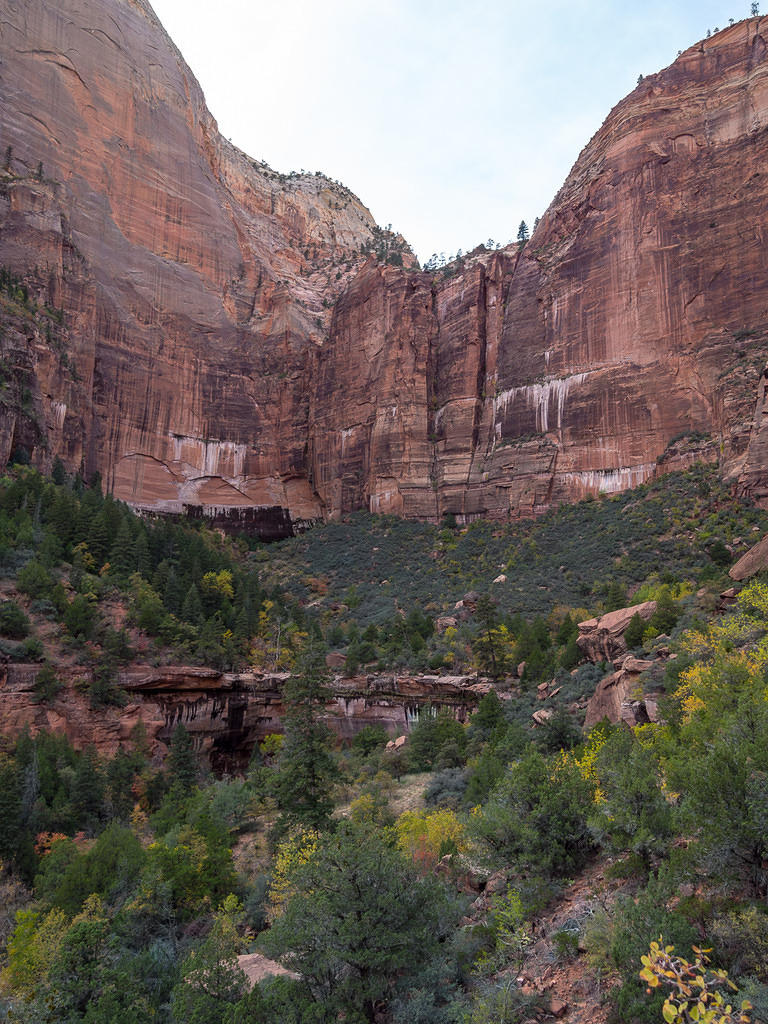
(633, 634)
(120, 776)
(173, 593)
(87, 796)
(667, 612)
(90, 507)
(80, 618)
(10, 807)
(192, 608)
(360, 917)
(58, 472)
(489, 715)
(306, 768)
(61, 516)
(522, 232)
(182, 763)
(143, 560)
(122, 556)
(615, 597)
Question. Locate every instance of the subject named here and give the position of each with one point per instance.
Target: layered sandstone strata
(628, 334)
(227, 347)
(226, 713)
(194, 281)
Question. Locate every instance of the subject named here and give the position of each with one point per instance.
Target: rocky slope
(199, 365)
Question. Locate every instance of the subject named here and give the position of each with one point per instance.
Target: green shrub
(430, 735)
(13, 621)
(537, 816)
(47, 683)
(34, 580)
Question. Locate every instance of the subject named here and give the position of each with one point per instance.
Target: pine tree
(58, 472)
(62, 515)
(360, 916)
(306, 768)
(122, 556)
(143, 561)
(98, 539)
(10, 807)
(192, 608)
(174, 593)
(87, 795)
(182, 763)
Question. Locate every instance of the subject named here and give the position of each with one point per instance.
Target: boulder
(257, 967)
(446, 622)
(612, 697)
(603, 639)
(751, 561)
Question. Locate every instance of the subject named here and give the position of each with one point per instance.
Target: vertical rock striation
(629, 333)
(231, 345)
(195, 281)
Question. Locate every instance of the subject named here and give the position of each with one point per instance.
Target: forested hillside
(501, 870)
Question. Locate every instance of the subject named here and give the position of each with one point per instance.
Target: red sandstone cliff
(194, 280)
(199, 363)
(226, 713)
(636, 314)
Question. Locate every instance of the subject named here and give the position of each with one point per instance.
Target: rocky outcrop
(619, 697)
(226, 348)
(226, 713)
(752, 561)
(603, 639)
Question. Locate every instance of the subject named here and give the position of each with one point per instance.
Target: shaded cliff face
(635, 315)
(227, 714)
(226, 348)
(194, 280)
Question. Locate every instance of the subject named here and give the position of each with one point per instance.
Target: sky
(452, 121)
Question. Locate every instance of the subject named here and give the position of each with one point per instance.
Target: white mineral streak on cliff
(608, 481)
(348, 432)
(208, 457)
(548, 398)
(59, 410)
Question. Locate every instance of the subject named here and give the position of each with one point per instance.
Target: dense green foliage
(145, 883)
(381, 915)
(304, 782)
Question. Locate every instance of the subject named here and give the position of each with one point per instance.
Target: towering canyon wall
(194, 281)
(629, 333)
(227, 345)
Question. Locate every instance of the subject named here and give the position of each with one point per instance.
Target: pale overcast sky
(451, 120)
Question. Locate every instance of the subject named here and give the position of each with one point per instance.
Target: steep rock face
(195, 281)
(226, 713)
(633, 319)
(603, 639)
(198, 365)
